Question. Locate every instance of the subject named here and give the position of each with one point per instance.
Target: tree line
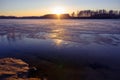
(97, 13)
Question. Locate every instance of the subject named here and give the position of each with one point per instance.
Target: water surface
(62, 44)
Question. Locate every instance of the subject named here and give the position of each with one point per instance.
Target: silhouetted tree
(73, 14)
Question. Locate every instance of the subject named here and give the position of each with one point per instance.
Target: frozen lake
(62, 42)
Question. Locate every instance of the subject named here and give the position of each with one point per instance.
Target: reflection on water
(58, 42)
(55, 36)
(85, 36)
(59, 35)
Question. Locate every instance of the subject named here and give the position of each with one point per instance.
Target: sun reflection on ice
(58, 42)
(57, 36)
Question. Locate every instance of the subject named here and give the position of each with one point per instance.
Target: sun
(58, 10)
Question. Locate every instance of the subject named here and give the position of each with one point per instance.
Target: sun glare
(58, 10)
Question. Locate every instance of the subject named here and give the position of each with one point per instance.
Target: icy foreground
(15, 69)
(11, 67)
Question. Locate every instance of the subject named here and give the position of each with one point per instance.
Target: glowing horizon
(58, 10)
(39, 8)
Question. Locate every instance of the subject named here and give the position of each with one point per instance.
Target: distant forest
(84, 14)
(96, 14)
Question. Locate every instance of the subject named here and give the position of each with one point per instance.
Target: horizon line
(62, 13)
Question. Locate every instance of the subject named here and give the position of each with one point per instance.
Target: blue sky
(40, 7)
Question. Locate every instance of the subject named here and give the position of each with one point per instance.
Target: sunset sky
(41, 7)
